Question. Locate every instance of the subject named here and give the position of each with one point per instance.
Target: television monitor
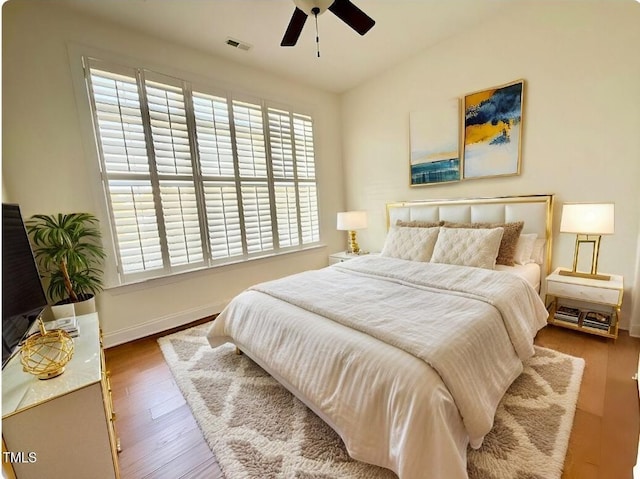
(23, 298)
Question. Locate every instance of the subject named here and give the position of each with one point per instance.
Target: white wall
(49, 163)
(581, 118)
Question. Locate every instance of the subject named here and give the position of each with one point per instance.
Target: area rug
(257, 429)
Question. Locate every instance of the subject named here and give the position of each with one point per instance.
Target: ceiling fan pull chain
(315, 12)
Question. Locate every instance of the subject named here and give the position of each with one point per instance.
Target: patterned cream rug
(258, 430)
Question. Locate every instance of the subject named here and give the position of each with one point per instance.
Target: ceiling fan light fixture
(307, 6)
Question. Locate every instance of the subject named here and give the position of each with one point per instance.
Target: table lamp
(588, 221)
(351, 221)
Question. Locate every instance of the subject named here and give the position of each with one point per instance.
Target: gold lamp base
(595, 241)
(578, 274)
(353, 243)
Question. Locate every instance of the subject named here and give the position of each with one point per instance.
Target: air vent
(238, 44)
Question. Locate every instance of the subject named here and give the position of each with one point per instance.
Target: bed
(406, 354)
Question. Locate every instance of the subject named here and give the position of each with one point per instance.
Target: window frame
(199, 179)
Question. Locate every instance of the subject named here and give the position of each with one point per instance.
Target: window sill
(177, 277)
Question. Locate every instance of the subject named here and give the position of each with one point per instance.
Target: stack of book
(568, 314)
(597, 320)
(70, 325)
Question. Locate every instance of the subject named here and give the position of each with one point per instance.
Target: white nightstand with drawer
(341, 257)
(588, 305)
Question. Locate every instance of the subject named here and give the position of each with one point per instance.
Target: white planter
(60, 311)
(87, 306)
(67, 310)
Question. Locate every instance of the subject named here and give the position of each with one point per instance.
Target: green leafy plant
(69, 253)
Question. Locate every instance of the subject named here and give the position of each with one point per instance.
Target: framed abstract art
(492, 131)
(434, 137)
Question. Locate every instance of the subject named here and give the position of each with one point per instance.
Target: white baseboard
(158, 325)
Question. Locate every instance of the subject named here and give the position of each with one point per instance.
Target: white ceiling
(403, 29)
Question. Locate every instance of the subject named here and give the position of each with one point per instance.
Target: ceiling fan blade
(294, 29)
(352, 16)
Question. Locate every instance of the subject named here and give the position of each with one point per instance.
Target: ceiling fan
(343, 9)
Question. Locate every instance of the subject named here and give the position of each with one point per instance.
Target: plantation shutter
(281, 141)
(291, 143)
(281, 147)
(174, 166)
(168, 120)
(195, 179)
(119, 122)
(181, 222)
(215, 149)
(309, 213)
(121, 140)
(214, 135)
(249, 131)
(136, 226)
(223, 220)
(252, 163)
(286, 214)
(306, 175)
(257, 217)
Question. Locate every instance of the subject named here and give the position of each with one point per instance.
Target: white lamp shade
(588, 218)
(352, 220)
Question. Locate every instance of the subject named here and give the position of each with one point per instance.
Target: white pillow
(476, 247)
(415, 244)
(537, 255)
(524, 248)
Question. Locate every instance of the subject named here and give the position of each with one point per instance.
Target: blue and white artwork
(492, 131)
(434, 134)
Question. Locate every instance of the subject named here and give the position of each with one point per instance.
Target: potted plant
(70, 255)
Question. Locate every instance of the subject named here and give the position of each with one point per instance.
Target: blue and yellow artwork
(434, 135)
(492, 131)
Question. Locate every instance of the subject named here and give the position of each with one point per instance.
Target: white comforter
(406, 360)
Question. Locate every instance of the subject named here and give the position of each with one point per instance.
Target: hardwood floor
(158, 434)
(604, 438)
(160, 438)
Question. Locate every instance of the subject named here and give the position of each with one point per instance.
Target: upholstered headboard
(535, 210)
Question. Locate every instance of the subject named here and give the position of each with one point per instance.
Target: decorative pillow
(476, 247)
(509, 238)
(524, 248)
(415, 244)
(537, 255)
(419, 224)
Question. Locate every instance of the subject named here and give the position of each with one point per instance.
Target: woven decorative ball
(45, 354)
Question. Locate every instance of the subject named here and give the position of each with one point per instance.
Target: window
(194, 179)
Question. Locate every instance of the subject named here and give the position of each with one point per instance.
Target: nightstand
(588, 305)
(341, 257)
